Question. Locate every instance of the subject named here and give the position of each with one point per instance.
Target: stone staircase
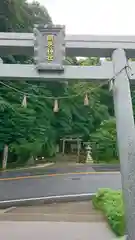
(73, 220)
(57, 212)
(60, 158)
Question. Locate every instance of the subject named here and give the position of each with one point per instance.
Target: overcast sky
(93, 16)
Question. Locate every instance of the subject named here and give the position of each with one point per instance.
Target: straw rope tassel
(111, 85)
(86, 100)
(56, 106)
(24, 102)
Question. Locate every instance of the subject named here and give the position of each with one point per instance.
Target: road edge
(45, 165)
(46, 200)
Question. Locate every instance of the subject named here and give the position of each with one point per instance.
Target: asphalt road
(60, 170)
(44, 186)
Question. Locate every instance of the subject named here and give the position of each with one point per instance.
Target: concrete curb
(45, 165)
(45, 200)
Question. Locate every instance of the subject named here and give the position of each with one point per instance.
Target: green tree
(19, 15)
(104, 139)
(36, 130)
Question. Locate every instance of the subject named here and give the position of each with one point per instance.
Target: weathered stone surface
(54, 230)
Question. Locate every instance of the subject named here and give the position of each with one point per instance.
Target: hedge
(110, 202)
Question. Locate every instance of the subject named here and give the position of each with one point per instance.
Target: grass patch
(110, 202)
(109, 162)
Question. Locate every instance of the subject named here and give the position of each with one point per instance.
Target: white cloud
(93, 16)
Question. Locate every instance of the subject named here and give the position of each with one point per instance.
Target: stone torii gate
(49, 45)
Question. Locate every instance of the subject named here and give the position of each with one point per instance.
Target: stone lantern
(89, 153)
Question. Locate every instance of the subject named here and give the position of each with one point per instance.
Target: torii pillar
(126, 137)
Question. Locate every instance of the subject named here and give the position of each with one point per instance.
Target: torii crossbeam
(49, 46)
(76, 45)
(97, 74)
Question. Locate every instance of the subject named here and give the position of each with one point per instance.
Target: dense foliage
(111, 203)
(105, 139)
(36, 130)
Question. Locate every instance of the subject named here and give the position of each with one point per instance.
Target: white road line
(49, 197)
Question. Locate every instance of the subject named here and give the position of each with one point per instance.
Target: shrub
(111, 203)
